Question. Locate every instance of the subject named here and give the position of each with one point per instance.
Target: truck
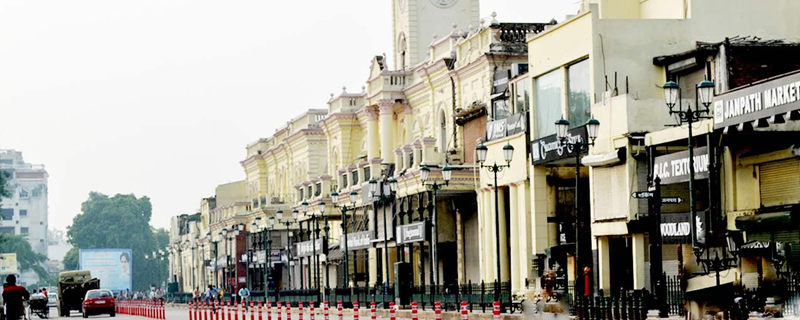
(72, 287)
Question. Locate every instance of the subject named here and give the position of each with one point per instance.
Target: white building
(25, 211)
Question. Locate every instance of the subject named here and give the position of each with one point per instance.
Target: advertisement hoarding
(8, 263)
(112, 266)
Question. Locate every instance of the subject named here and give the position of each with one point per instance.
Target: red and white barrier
(414, 311)
(339, 310)
(496, 311)
(464, 311)
(355, 310)
(373, 311)
(311, 310)
(437, 308)
(325, 310)
(391, 311)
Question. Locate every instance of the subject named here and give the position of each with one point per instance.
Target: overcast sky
(160, 97)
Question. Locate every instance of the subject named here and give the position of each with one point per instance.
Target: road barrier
(142, 308)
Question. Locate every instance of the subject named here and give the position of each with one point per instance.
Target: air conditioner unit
(518, 69)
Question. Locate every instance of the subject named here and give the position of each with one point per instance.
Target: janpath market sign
(767, 100)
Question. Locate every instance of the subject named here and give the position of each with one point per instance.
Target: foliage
(27, 258)
(119, 222)
(5, 192)
(71, 259)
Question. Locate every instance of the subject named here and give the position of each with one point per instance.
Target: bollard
(496, 311)
(437, 308)
(279, 311)
(203, 310)
(252, 311)
(464, 314)
(227, 310)
(269, 310)
(311, 310)
(300, 310)
(414, 315)
(190, 311)
(391, 311)
(259, 311)
(288, 311)
(325, 310)
(373, 311)
(339, 310)
(355, 310)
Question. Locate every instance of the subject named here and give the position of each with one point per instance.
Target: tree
(26, 257)
(5, 192)
(118, 222)
(71, 259)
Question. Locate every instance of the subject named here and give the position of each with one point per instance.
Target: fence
(629, 305)
(477, 295)
(675, 295)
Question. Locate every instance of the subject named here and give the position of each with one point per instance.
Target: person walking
(244, 296)
(196, 294)
(13, 296)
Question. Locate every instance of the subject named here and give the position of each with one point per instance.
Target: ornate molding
(386, 106)
(372, 112)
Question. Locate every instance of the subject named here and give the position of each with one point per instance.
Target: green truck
(72, 287)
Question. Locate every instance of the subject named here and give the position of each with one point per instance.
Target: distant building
(25, 212)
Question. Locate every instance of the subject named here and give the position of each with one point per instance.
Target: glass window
(23, 213)
(23, 194)
(500, 109)
(7, 214)
(300, 194)
(355, 177)
(578, 103)
(548, 102)
(522, 91)
(344, 180)
(310, 191)
(318, 189)
(23, 230)
(367, 173)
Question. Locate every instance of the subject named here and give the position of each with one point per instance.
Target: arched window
(401, 50)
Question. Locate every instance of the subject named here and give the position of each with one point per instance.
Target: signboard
(359, 240)
(671, 200)
(310, 248)
(506, 127)
(549, 149)
(8, 263)
(676, 228)
(642, 194)
(674, 167)
(764, 100)
(111, 266)
(411, 233)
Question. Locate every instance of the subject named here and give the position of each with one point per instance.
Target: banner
(674, 167)
(410, 233)
(8, 263)
(549, 149)
(765, 100)
(112, 266)
(358, 240)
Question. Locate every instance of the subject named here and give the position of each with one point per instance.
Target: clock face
(443, 3)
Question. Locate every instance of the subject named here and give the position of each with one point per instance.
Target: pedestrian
(244, 295)
(196, 294)
(13, 296)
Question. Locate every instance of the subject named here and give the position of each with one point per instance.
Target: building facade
(25, 212)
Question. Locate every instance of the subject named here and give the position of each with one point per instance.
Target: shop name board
(674, 167)
(549, 148)
(676, 228)
(757, 102)
(310, 248)
(506, 127)
(411, 233)
(358, 240)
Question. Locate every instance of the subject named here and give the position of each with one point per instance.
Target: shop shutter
(780, 182)
(610, 193)
(783, 236)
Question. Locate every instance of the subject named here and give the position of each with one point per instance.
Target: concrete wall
(230, 193)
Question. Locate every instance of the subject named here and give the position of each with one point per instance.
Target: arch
(401, 49)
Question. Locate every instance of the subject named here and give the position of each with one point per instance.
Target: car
(98, 301)
(52, 299)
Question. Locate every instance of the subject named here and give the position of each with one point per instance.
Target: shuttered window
(780, 182)
(610, 193)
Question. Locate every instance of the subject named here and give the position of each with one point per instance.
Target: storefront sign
(309, 248)
(411, 233)
(674, 167)
(764, 100)
(506, 127)
(676, 228)
(549, 149)
(359, 240)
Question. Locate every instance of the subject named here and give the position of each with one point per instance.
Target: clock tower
(415, 22)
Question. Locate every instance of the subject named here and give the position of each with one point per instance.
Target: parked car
(98, 301)
(52, 299)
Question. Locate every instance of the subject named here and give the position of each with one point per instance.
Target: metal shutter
(611, 193)
(780, 182)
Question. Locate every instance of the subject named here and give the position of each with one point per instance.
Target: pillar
(387, 128)
(513, 190)
(409, 120)
(540, 228)
(637, 249)
(523, 226)
(372, 265)
(372, 132)
(498, 212)
(604, 264)
(460, 247)
(486, 231)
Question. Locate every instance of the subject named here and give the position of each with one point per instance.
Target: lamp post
(194, 260)
(287, 223)
(344, 208)
(508, 154)
(562, 127)
(383, 192)
(321, 207)
(434, 186)
(223, 234)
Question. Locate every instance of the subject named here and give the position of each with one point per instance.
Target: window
(7, 230)
(522, 92)
(23, 194)
(310, 191)
(7, 214)
(23, 213)
(36, 192)
(23, 230)
(367, 173)
(411, 159)
(300, 194)
(318, 189)
(500, 109)
(548, 102)
(344, 180)
(578, 103)
(355, 177)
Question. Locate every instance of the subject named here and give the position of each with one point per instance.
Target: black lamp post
(344, 208)
(259, 226)
(508, 153)
(383, 192)
(424, 173)
(287, 223)
(215, 255)
(321, 207)
(577, 145)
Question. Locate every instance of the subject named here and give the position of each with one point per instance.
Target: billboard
(111, 266)
(8, 263)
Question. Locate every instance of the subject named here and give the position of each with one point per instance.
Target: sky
(160, 97)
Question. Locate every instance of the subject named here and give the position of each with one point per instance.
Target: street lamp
(383, 192)
(424, 173)
(344, 208)
(508, 153)
(592, 127)
(287, 223)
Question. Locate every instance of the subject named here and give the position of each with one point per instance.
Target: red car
(98, 301)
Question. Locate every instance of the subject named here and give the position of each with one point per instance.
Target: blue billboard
(111, 266)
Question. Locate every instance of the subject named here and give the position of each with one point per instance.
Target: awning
(334, 253)
(607, 159)
(767, 221)
(710, 280)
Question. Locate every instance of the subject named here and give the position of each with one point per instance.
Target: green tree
(118, 222)
(26, 257)
(71, 259)
(5, 192)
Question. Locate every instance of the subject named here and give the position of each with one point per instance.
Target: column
(387, 128)
(372, 265)
(523, 238)
(516, 284)
(638, 261)
(604, 264)
(540, 229)
(498, 212)
(460, 246)
(484, 228)
(409, 120)
(372, 132)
